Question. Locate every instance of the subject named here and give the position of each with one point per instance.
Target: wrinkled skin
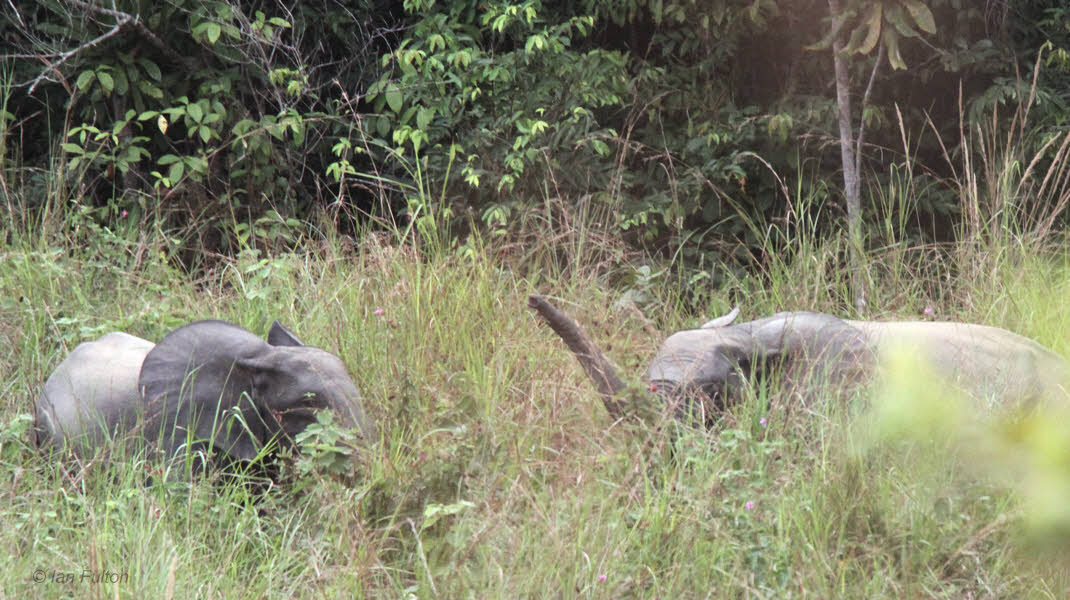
(210, 386)
(698, 371)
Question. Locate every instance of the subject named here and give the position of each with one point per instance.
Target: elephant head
(697, 372)
(213, 384)
(207, 386)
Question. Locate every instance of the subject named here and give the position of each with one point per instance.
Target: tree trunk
(851, 182)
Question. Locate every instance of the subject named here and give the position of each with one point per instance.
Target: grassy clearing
(499, 473)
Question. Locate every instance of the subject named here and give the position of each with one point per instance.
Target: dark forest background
(685, 128)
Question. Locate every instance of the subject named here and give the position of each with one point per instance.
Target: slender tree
(859, 27)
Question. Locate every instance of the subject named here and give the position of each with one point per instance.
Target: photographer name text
(84, 576)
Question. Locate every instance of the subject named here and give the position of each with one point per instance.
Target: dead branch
(123, 20)
(64, 57)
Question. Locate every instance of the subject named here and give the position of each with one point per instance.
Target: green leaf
(122, 84)
(212, 31)
(195, 112)
(874, 32)
(424, 116)
(897, 16)
(206, 134)
(86, 79)
(373, 90)
(71, 148)
(921, 15)
(150, 90)
(891, 41)
(857, 35)
(150, 68)
(107, 82)
(393, 97)
(198, 30)
(175, 173)
(168, 159)
(382, 126)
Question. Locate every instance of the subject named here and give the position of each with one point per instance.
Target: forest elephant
(699, 371)
(210, 387)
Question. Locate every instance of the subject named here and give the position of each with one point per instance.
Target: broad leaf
(107, 82)
(212, 31)
(195, 112)
(149, 68)
(922, 15)
(897, 16)
(176, 171)
(424, 116)
(874, 30)
(393, 98)
(86, 79)
(891, 41)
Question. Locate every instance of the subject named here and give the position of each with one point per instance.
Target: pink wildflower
(749, 505)
(602, 577)
(378, 311)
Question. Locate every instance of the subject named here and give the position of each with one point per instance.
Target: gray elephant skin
(699, 371)
(210, 387)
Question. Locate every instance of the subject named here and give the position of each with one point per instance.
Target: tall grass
(498, 473)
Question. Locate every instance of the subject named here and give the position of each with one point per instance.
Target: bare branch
(141, 29)
(15, 9)
(70, 53)
(862, 111)
(123, 20)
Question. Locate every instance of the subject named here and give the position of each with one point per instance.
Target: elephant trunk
(592, 360)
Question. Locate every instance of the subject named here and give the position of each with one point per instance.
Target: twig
(68, 54)
(423, 557)
(862, 110)
(141, 28)
(15, 9)
(122, 20)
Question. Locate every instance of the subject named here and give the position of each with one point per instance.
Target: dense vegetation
(680, 121)
(392, 180)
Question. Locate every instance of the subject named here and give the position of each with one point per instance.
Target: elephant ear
(281, 336)
(813, 347)
(199, 390)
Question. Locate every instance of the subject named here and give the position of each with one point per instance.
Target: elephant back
(93, 392)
